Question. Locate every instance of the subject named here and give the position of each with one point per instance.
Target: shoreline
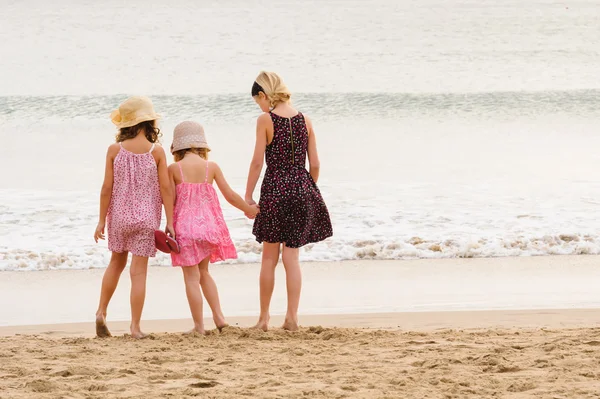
(408, 260)
(338, 288)
(398, 321)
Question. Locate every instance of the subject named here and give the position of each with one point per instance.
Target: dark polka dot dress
(292, 210)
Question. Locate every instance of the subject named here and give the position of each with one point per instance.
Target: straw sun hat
(189, 134)
(133, 111)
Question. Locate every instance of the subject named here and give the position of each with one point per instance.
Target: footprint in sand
(41, 386)
(204, 384)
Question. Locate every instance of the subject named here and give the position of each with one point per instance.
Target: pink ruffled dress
(200, 228)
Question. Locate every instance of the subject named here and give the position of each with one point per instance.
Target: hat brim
(139, 119)
(187, 147)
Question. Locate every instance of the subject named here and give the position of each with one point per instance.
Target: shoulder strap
(151, 148)
(304, 121)
(181, 171)
(206, 177)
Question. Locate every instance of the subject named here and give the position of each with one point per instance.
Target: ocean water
(445, 128)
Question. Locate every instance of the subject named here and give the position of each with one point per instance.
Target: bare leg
(191, 277)
(138, 272)
(117, 264)
(293, 279)
(270, 257)
(211, 293)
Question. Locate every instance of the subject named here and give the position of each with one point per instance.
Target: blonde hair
(274, 88)
(202, 152)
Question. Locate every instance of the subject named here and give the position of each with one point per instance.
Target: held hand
(99, 233)
(250, 201)
(254, 211)
(170, 230)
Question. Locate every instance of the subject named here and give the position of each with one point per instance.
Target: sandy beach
(506, 357)
(458, 328)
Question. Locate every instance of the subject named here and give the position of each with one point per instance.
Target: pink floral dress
(135, 205)
(200, 228)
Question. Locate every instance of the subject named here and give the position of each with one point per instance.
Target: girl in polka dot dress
(136, 184)
(292, 211)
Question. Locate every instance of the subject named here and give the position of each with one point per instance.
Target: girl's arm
(231, 196)
(259, 155)
(106, 191)
(171, 169)
(313, 156)
(166, 190)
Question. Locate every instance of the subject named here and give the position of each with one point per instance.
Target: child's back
(198, 219)
(292, 210)
(135, 205)
(198, 215)
(136, 184)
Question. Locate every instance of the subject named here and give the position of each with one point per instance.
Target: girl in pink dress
(136, 184)
(200, 228)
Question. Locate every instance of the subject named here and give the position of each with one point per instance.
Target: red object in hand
(165, 243)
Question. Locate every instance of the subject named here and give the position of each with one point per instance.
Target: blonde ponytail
(274, 88)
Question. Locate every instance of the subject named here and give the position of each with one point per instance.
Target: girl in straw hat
(201, 231)
(136, 184)
(292, 211)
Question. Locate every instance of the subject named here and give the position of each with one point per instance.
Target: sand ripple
(314, 363)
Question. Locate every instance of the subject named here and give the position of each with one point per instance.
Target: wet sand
(550, 282)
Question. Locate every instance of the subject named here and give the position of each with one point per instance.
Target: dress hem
(131, 252)
(311, 241)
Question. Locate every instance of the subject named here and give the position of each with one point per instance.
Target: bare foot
(222, 326)
(101, 328)
(290, 325)
(195, 331)
(262, 325)
(138, 335)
